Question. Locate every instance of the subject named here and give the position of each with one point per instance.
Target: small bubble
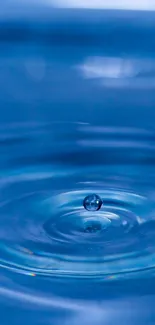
(92, 202)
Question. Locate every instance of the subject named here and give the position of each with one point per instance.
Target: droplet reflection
(92, 227)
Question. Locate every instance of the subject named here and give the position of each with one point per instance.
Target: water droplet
(92, 202)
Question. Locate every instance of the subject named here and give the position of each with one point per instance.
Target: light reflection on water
(120, 72)
(77, 117)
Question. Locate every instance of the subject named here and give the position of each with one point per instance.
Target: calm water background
(77, 96)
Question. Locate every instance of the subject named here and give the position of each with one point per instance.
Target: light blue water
(77, 97)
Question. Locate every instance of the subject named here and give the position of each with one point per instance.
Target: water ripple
(44, 228)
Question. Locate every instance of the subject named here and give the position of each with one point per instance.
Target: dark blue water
(77, 99)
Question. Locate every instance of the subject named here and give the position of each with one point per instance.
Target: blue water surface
(77, 99)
